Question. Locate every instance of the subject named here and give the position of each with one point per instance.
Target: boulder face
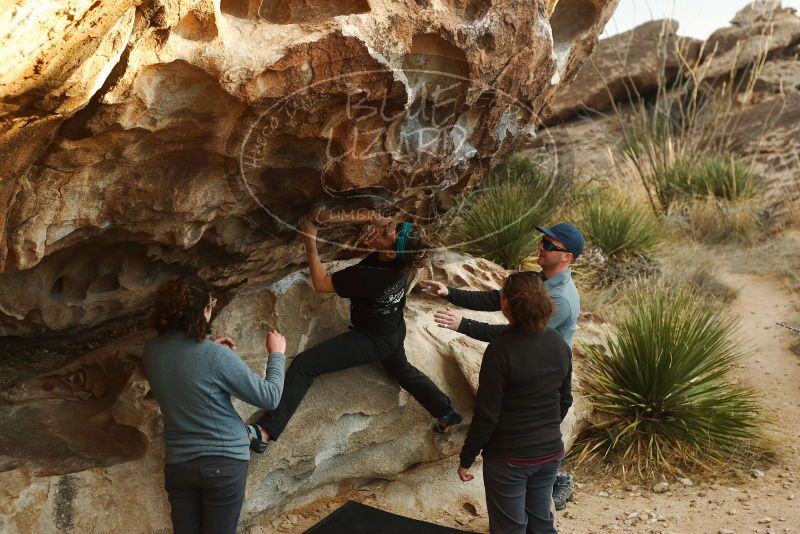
(146, 138)
(622, 66)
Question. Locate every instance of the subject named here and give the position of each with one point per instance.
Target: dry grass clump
(595, 270)
(713, 220)
(772, 255)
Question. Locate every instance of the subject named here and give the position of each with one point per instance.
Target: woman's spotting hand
(464, 474)
(447, 318)
(225, 340)
(432, 287)
(276, 342)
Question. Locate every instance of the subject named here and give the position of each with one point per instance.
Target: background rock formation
(142, 139)
(763, 38)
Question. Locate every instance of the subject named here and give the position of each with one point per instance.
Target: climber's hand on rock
(447, 318)
(432, 287)
(321, 215)
(464, 474)
(225, 340)
(307, 226)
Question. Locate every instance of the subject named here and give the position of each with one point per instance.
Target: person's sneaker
(562, 490)
(257, 444)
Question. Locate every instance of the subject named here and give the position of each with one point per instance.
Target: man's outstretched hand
(447, 318)
(432, 287)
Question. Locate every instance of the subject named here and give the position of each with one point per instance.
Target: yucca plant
(498, 223)
(663, 391)
(718, 176)
(724, 177)
(618, 226)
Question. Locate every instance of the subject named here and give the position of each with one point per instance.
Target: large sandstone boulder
(146, 138)
(757, 30)
(624, 67)
(84, 452)
(773, 151)
(138, 137)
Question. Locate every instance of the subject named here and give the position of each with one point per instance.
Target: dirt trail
(767, 504)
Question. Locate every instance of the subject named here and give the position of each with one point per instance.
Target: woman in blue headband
(376, 287)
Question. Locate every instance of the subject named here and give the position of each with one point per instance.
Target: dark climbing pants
(350, 349)
(206, 494)
(518, 498)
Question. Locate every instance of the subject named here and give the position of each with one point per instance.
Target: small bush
(717, 176)
(663, 391)
(711, 220)
(618, 227)
(498, 221)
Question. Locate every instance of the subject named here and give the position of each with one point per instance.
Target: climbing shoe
(444, 424)
(257, 443)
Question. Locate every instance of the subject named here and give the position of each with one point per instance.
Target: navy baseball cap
(567, 234)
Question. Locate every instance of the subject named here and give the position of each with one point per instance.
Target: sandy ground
(766, 502)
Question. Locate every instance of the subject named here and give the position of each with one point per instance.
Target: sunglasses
(550, 246)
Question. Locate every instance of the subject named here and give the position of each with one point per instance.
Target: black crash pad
(357, 518)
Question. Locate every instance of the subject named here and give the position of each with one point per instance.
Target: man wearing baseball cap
(560, 245)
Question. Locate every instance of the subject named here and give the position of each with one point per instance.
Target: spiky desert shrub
(663, 391)
(497, 221)
(721, 177)
(618, 226)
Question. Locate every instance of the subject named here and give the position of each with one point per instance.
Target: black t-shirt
(377, 293)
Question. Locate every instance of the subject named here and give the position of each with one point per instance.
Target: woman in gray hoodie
(193, 379)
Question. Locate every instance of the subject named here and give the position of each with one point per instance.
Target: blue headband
(402, 236)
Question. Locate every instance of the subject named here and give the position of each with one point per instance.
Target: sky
(697, 18)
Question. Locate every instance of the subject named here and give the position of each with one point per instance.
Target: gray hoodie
(193, 382)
